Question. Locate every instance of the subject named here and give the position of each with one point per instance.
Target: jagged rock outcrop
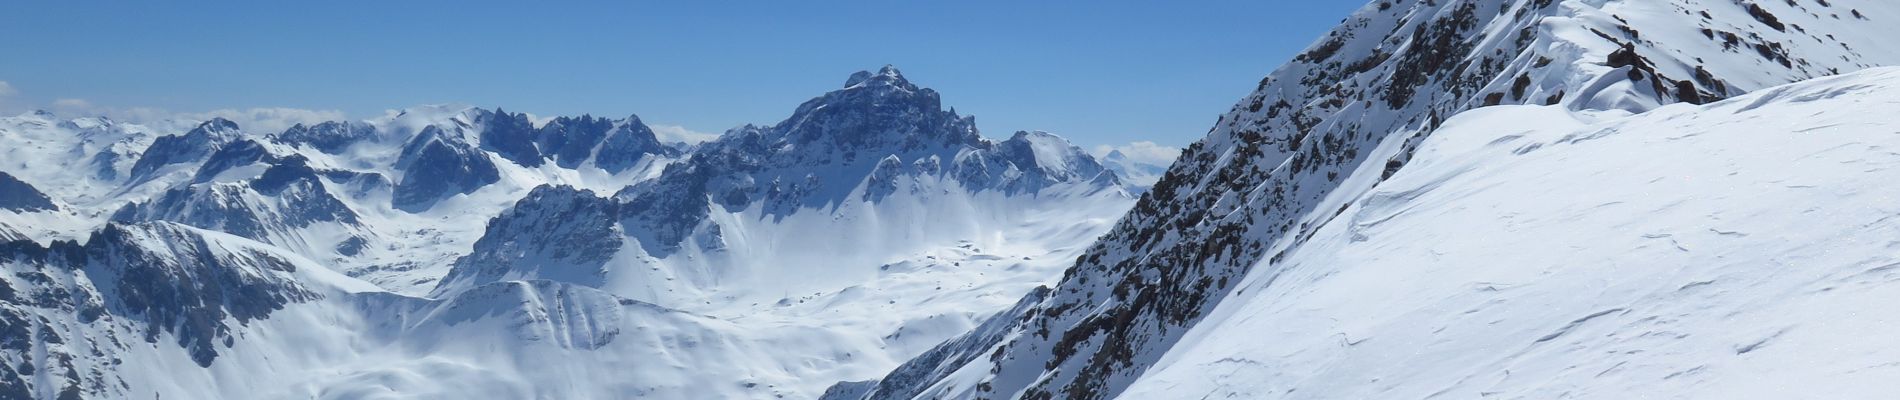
(332, 137)
(191, 147)
(613, 146)
(510, 135)
(265, 206)
(437, 164)
(627, 143)
(555, 233)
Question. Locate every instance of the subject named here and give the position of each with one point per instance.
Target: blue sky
(1104, 72)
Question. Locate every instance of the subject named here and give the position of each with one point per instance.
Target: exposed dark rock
(1755, 10)
(18, 196)
(628, 144)
(233, 155)
(193, 146)
(571, 140)
(510, 135)
(435, 166)
(188, 287)
(329, 137)
(557, 233)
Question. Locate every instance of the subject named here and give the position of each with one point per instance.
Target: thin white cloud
(676, 133)
(7, 90)
(73, 107)
(260, 120)
(1145, 152)
(267, 119)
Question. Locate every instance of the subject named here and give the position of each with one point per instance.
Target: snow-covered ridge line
(1538, 252)
(1348, 112)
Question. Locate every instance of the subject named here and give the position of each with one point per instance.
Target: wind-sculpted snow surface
(1737, 250)
(1347, 113)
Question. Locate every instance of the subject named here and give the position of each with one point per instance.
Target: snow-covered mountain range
(350, 259)
(1439, 198)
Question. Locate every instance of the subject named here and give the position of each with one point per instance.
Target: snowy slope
(1727, 251)
(1350, 111)
(77, 163)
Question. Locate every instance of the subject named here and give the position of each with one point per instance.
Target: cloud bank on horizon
(278, 119)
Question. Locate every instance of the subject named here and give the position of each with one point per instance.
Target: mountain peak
(888, 75)
(217, 126)
(881, 110)
(1024, 135)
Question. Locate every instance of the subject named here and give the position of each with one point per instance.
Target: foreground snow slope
(1350, 111)
(1738, 250)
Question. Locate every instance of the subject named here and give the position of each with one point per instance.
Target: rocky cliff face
(437, 164)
